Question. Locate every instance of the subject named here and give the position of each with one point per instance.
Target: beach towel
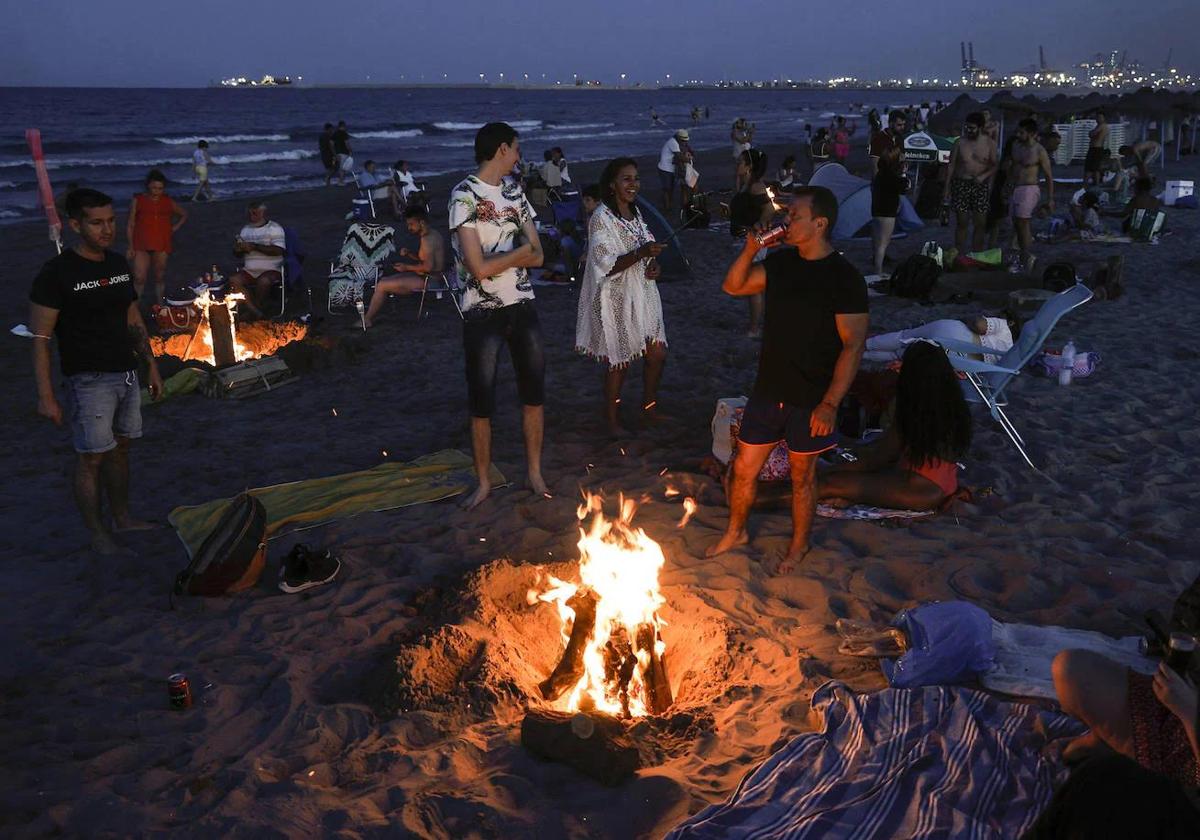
(934, 762)
(1023, 653)
(184, 382)
(299, 505)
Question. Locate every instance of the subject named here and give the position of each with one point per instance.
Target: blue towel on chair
(917, 763)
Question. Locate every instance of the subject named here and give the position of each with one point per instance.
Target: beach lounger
(986, 384)
(364, 250)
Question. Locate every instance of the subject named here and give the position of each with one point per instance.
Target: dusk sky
(162, 44)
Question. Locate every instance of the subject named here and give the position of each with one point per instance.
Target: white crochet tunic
(618, 314)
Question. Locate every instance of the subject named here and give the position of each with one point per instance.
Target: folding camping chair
(364, 250)
(438, 282)
(986, 384)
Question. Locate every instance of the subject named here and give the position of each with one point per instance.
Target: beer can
(179, 692)
(772, 237)
(1179, 654)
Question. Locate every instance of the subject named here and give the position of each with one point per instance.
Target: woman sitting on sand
(991, 334)
(1150, 719)
(912, 466)
(620, 312)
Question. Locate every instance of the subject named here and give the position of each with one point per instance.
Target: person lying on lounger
(912, 466)
(414, 268)
(991, 334)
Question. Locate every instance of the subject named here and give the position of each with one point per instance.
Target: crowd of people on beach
(808, 304)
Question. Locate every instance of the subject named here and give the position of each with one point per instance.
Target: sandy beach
(292, 734)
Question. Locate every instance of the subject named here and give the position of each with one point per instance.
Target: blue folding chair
(986, 383)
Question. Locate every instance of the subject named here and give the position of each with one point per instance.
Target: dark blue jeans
(485, 331)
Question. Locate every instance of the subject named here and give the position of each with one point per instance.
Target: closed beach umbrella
(949, 120)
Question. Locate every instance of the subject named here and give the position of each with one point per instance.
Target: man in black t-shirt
(341, 150)
(84, 297)
(813, 338)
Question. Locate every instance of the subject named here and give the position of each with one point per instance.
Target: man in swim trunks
(1097, 152)
(1140, 155)
(968, 187)
(1028, 160)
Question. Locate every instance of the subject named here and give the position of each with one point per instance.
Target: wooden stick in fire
(658, 688)
(570, 667)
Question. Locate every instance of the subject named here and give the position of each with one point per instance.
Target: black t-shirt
(341, 142)
(92, 299)
(325, 144)
(801, 344)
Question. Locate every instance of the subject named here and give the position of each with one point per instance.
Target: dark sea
(264, 141)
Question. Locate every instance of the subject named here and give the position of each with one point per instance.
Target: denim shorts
(765, 421)
(485, 331)
(103, 406)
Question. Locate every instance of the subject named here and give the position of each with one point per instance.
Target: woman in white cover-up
(620, 311)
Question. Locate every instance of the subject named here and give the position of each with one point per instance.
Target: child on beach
(200, 163)
(153, 219)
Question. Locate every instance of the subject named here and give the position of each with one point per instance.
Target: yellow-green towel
(315, 501)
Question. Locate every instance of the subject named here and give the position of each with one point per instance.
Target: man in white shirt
(668, 160)
(260, 243)
(495, 244)
(560, 160)
(403, 185)
(551, 174)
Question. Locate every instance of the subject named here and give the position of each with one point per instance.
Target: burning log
(220, 323)
(619, 664)
(570, 668)
(654, 673)
(594, 744)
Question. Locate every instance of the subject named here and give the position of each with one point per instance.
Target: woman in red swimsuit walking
(912, 466)
(153, 217)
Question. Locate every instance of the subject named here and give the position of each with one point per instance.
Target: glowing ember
(622, 668)
(689, 508)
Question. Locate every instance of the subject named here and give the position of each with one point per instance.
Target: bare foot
(538, 485)
(727, 542)
(107, 546)
(785, 564)
(368, 323)
(473, 501)
(128, 523)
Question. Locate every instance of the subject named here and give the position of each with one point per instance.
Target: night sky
(175, 43)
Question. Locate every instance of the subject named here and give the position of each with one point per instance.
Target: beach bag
(777, 467)
(248, 378)
(722, 427)
(949, 642)
(175, 318)
(1058, 277)
(914, 278)
(691, 177)
(933, 250)
(232, 556)
(1049, 363)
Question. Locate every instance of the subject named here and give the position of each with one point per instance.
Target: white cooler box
(1177, 190)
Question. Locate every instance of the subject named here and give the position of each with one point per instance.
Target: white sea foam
(390, 135)
(576, 126)
(461, 126)
(260, 157)
(7, 185)
(224, 138)
(10, 214)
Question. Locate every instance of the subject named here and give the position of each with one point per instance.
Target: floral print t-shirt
(497, 215)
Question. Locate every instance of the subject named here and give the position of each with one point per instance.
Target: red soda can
(179, 692)
(771, 237)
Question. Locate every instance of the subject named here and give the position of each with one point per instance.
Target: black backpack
(1058, 277)
(914, 278)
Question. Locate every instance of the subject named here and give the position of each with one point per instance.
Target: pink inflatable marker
(34, 138)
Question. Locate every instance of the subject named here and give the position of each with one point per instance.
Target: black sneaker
(303, 569)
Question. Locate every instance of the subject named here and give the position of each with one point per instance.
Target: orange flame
(689, 508)
(620, 565)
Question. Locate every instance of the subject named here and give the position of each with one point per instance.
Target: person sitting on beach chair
(402, 186)
(414, 269)
(551, 176)
(912, 466)
(374, 185)
(261, 245)
(993, 335)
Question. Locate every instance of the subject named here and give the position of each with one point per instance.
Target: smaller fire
(689, 508)
(613, 660)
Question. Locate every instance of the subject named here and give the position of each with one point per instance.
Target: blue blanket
(921, 763)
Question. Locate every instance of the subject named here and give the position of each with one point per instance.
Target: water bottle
(1067, 364)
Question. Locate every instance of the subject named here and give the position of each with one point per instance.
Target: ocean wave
(224, 138)
(593, 134)
(240, 180)
(7, 185)
(461, 126)
(10, 214)
(390, 135)
(575, 126)
(261, 157)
